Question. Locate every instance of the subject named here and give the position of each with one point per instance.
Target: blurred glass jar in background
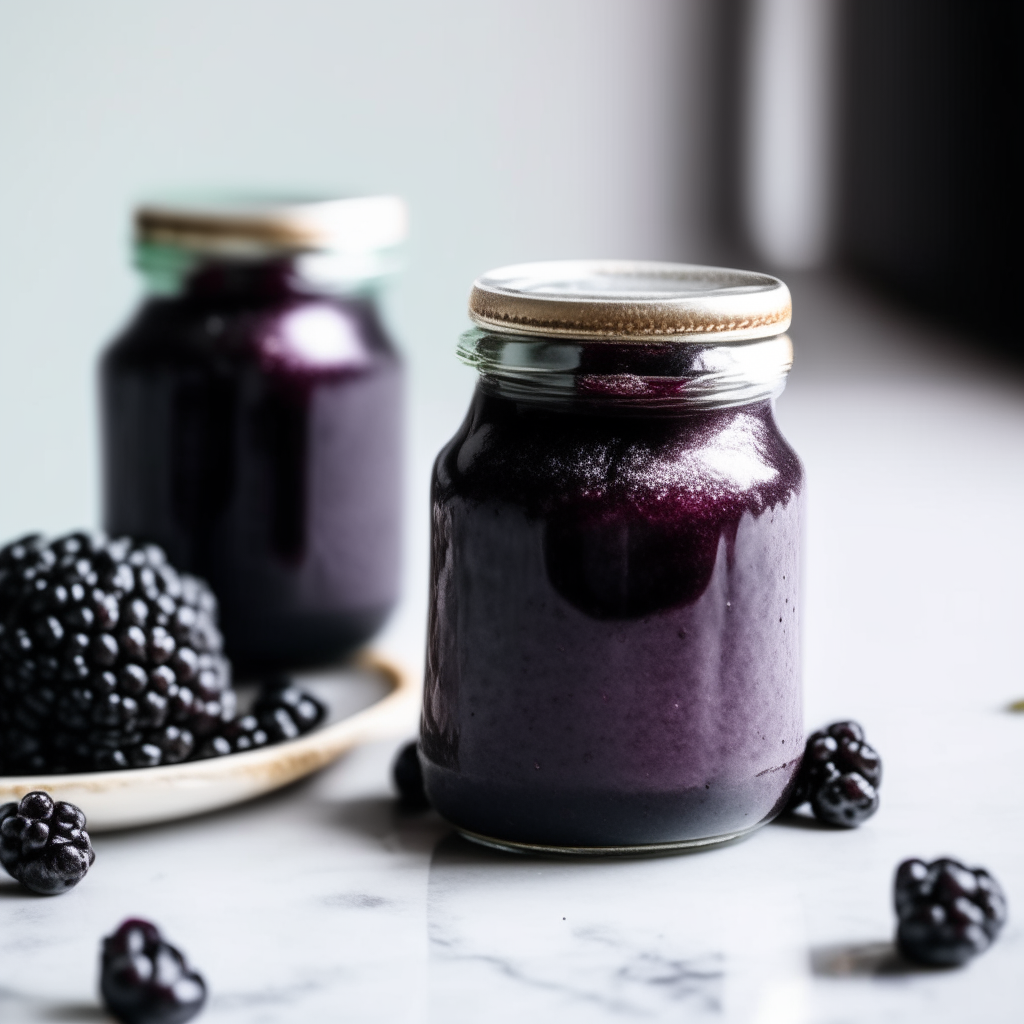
(613, 643)
(252, 417)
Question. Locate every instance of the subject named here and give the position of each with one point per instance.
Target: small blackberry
(109, 658)
(840, 775)
(281, 713)
(44, 844)
(284, 711)
(408, 776)
(145, 980)
(947, 912)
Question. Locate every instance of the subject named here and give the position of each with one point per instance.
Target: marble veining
(618, 979)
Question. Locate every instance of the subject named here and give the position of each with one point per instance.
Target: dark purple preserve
(613, 648)
(252, 419)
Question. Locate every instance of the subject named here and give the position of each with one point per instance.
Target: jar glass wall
(252, 419)
(613, 645)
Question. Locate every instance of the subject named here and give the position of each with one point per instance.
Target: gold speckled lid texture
(630, 300)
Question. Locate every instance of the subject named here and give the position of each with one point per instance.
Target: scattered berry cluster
(143, 979)
(947, 912)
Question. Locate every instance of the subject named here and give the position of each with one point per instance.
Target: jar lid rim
(240, 225)
(630, 299)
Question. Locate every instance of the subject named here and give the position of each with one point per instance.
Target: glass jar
(252, 417)
(613, 640)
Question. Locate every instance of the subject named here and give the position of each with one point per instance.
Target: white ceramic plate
(369, 699)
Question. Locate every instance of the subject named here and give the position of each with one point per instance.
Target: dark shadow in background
(927, 169)
(928, 206)
(726, 34)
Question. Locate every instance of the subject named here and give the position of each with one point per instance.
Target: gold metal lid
(248, 227)
(630, 300)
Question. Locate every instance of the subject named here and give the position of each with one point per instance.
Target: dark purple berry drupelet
(947, 913)
(145, 980)
(109, 657)
(839, 776)
(236, 737)
(44, 845)
(408, 776)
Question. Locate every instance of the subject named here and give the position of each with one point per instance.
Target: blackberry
(947, 912)
(284, 711)
(44, 844)
(408, 776)
(109, 658)
(840, 776)
(145, 980)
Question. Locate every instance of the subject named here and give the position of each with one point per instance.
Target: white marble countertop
(327, 902)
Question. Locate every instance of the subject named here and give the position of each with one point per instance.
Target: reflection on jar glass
(252, 417)
(613, 645)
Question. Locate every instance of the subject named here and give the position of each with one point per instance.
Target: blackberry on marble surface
(947, 913)
(408, 776)
(839, 776)
(44, 845)
(146, 980)
(109, 658)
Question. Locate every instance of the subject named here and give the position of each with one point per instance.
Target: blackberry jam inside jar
(613, 639)
(252, 417)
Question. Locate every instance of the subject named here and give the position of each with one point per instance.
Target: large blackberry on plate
(109, 658)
